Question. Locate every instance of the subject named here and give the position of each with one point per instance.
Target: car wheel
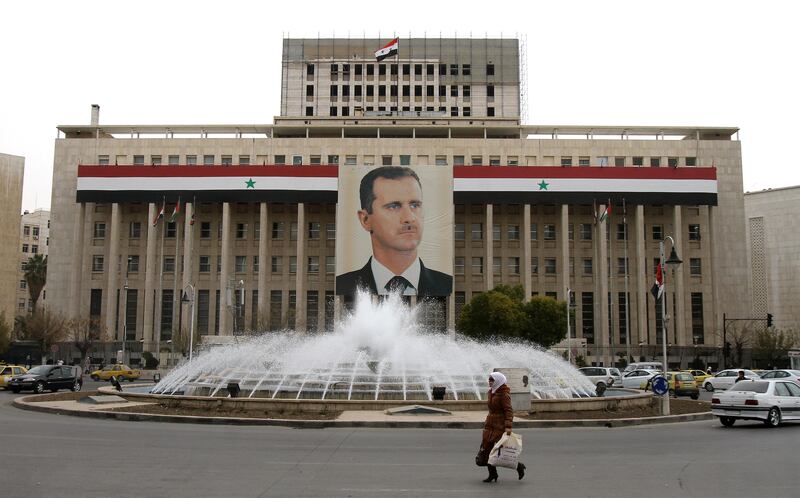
(15, 391)
(709, 387)
(672, 392)
(773, 417)
(76, 386)
(95, 378)
(727, 421)
(39, 387)
(131, 380)
(695, 396)
(601, 385)
(121, 378)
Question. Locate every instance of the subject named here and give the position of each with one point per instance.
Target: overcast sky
(696, 63)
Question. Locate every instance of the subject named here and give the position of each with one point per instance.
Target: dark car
(48, 377)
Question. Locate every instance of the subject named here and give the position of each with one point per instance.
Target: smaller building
(773, 234)
(34, 233)
(12, 170)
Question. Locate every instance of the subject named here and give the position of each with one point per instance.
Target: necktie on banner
(398, 284)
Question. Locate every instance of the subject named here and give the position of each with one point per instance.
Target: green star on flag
(543, 185)
(250, 183)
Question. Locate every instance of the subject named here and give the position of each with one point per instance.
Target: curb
(22, 404)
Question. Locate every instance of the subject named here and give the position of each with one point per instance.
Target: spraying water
(378, 352)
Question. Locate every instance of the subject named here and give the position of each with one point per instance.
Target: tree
(546, 322)
(83, 332)
(491, 314)
(5, 333)
(45, 327)
(36, 276)
(773, 346)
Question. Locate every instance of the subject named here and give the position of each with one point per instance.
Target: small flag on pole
(606, 212)
(160, 215)
(175, 211)
(388, 50)
(658, 288)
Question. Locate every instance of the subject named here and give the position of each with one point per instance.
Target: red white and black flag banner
(388, 50)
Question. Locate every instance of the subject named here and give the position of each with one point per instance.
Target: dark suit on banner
(431, 282)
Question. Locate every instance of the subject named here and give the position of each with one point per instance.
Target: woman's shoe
(492, 474)
(521, 470)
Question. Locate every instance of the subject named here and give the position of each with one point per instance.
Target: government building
(243, 219)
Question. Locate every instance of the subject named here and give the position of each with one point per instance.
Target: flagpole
(160, 262)
(627, 309)
(176, 296)
(610, 296)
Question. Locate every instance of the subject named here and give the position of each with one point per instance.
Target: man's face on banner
(397, 218)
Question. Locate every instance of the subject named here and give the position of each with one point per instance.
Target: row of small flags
(176, 211)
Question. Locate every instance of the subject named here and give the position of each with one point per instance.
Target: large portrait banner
(395, 230)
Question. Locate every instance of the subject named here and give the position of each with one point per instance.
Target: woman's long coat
(500, 418)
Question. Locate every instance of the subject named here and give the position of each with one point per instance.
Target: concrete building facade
(12, 170)
(773, 221)
(34, 235)
(277, 249)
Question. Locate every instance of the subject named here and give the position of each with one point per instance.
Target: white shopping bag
(506, 452)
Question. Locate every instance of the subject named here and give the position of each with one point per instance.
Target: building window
(135, 230)
(513, 266)
(584, 161)
(619, 162)
(655, 162)
(312, 310)
(25, 248)
(293, 230)
(99, 230)
(535, 265)
(203, 309)
(313, 230)
(191, 160)
(133, 264)
(586, 231)
(255, 264)
(550, 266)
(691, 161)
(170, 229)
(169, 264)
(205, 229)
(587, 316)
(658, 232)
(167, 305)
(477, 265)
(257, 230)
(97, 263)
(694, 232)
(23, 284)
(496, 231)
(208, 159)
(549, 231)
(695, 268)
(241, 230)
(622, 231)
(26, 230)
(489, 69)
(205, 264)
(476, 230)
(534, 231)
(275, 309)
(155, 160)
(638, 161)
(458, 231)
(131, 305)
(672, 162)
(513, 232)
(277, 264)
(458, 160)
(102, 160)
(458, 265)
(313, 264)
(566, 161)
(622, 266)
(497, 266)
(138, 160)
(292, 264)
(280, 159)
(570, 231)
(330, 265)
(588, 267)
(330, 231)
(34, 249)
(240, 264)
(277, 230)
(698, 334)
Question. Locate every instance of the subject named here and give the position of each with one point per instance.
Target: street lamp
(186, 299)
(673, 260)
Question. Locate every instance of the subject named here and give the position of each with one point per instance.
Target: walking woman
(499, 420)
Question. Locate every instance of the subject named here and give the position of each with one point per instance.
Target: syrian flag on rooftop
(388, 50)
(658, 288)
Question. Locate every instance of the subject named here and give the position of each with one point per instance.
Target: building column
(151, 303)
(225, 322)
(564, 275)
(188, 270)
(264, 267)
(713, 338)
(300, 277)
(640, 278)
(488, 267)
(113, 268)
(78, 268)
(601, 289)
(526, 251)
(678, 313)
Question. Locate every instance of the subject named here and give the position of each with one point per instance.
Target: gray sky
(693, 63)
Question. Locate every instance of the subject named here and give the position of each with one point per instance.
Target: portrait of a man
(392, 212)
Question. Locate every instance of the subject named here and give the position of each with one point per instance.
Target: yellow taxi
(120, 371)
(699, 376)
(680, 384)
(8, 371)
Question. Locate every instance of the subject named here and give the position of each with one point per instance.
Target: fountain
(379, 352)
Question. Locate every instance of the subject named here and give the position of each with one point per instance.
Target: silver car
(603, 376)
(637, 379)
(770, 401)
(726, 378)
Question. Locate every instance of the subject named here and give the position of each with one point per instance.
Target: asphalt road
(51, 455)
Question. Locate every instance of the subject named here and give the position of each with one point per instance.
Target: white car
(604, 376)
(637, 378)
(726, 378)
(792, 375)
(771, 401)
(644, 365)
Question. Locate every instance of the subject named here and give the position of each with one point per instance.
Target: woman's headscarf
(499, 380)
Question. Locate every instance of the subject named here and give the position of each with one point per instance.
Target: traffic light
(769, 320)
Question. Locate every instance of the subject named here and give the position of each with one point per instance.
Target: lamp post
(185, 299)
(675, 261)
